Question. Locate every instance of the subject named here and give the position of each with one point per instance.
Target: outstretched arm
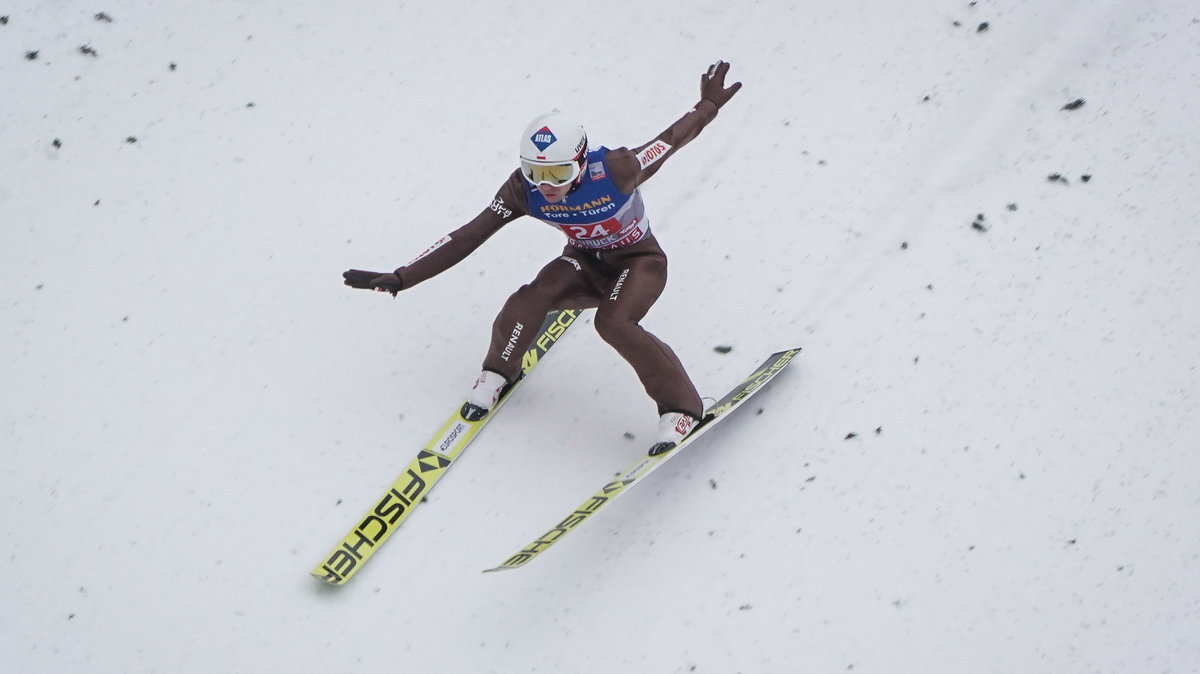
(450, 249)
(634, 167)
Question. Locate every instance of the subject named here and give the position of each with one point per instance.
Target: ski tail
(430, 464)
(645, 465)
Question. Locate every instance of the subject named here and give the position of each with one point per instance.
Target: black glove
(373, 280)
(712, 85)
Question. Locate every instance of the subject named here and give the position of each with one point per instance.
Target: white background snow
(194, 409)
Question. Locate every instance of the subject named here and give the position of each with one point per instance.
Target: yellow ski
(646, 465)
(398, 502)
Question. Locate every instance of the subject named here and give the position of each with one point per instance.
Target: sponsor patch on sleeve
(653, 152)
(500, 209)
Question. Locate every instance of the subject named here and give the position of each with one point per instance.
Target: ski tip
(328, 578)
(512, 563)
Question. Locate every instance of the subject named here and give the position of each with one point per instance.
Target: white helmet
(553, 150)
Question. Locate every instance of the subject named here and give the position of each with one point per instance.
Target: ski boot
(484, 396)
(673, 427)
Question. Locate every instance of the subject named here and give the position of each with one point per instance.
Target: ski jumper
(612, 262)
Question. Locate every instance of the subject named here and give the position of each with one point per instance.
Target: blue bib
(595, 216)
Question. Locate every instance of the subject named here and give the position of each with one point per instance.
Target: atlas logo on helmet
(543, 138)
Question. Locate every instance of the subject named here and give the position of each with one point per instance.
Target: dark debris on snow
(979, 225)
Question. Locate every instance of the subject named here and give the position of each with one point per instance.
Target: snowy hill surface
(193, 409)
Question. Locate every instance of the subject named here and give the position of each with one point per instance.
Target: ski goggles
(554, 175)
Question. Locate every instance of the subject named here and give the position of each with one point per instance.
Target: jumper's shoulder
(624, 168)
(512, 199)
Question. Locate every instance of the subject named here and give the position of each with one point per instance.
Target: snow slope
(194, 409)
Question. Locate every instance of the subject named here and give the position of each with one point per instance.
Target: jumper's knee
(616, 331)
(531, 295)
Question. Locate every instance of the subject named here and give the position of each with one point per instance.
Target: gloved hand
(373, 280)
(712, 85)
